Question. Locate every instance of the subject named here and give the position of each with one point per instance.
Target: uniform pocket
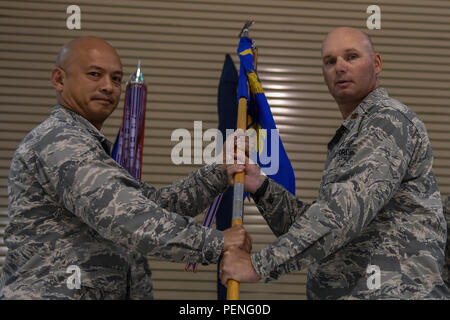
(102, 284)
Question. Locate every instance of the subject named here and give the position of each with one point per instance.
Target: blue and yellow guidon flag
(270, 154)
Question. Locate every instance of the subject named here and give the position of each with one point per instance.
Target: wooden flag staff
(238, 190)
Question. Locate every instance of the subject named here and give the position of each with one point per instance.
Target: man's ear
(57, 78)
(378, 63)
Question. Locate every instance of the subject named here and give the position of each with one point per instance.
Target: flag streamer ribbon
(207, 222)
(128, 147)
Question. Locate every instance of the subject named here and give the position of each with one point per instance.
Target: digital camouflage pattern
(70, 203)
(378, 204)
(446, 273)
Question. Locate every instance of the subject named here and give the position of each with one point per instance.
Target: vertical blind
(182, 45)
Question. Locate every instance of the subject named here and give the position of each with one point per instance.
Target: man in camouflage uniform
(75, 212)
(377, 229)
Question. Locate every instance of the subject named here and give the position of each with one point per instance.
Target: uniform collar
(64, 113)
(366, 106)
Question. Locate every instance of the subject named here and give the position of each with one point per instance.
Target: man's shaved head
(73, 48)
(364, 37)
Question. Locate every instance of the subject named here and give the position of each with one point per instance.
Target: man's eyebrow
(346, 51)
(95, 67)
(101, 69)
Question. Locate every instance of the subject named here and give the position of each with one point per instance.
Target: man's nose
(341, 65)
(106, 85)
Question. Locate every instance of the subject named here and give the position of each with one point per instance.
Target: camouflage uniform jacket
(70, 203)
(378, 205)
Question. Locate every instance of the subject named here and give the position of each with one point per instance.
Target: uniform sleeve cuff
(265, 200)
(216, 176)
(261, 190)
(213, 246)
(263, 268)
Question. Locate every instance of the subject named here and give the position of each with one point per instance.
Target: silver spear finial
(137, 76)
(244, 31)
